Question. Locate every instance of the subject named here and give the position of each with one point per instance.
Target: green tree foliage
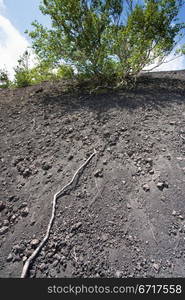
(107, 38)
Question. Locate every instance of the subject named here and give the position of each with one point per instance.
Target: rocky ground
(124, 217)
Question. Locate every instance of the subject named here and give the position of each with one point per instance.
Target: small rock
(2, 205)
(9, 258)
(149, 160)
(172, 123)
(129, 206)
(26, 172)
(76, 226)
(156, 266)
(160, 185)
(24, 204)
(70, 157)
(174, 213)
(24, 259)
(17, 249)
(57, 256)
(13, 198)
(34, 243)
(24, 212)
(118, 274)
(39, 90)
(42, 266)
(105, 237)
(13, 218)
(55, 263)
(3, 230)
(151, 172)
(146, 187)
(46, 166)
(98, 173)
(6, 223)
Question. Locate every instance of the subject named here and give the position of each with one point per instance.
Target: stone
(42, 266)
(156, 266)
(6, 223)
(46, 166)
(3, 230)
(26, 172)
(76, 226)
(151, 172)
(70, 157)
(9, 258)
(98, 173)
(34, 243)
(118, 274)
(162, 185)
(13, 198)
(146, 187)
(129, 206)
(2, 205)
(24, 212)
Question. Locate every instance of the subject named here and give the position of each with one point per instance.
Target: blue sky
(16, 16)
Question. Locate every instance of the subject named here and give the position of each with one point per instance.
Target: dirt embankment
(125, 215)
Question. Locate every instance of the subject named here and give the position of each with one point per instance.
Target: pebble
(3, 230)
(118, 274)
(9, 258)
(70, 157)
(174, 213)
(2, 205)
(57, 256)
(156, 266)
(98, 173)
(42, 266)
(34, 243)
(6, 222)
(26, 172)
(162, 185)
(46, 166)
(129, 206)
(25, 212)
(151, 171)
(76, 226)
(55, 263)
(146, 187)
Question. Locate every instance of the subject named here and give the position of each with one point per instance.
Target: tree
(107, 38)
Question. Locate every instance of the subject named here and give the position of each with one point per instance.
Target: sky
(16, 16)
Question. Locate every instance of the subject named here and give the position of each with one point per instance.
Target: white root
(57, 195)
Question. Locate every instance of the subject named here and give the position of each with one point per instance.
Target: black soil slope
(125, 216)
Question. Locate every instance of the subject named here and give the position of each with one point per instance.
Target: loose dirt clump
(124, 216)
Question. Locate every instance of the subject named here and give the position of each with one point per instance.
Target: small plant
(4, 79)
(65, 71)
(22, 72)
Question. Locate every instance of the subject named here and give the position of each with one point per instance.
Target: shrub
(65, 71)
(4, 79)
(22, 72)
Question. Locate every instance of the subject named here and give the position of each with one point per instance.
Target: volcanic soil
(124, 216)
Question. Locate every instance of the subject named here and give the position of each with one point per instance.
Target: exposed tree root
(57, 195)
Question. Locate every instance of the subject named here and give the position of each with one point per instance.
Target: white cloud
(12, 44)
(171, 63)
